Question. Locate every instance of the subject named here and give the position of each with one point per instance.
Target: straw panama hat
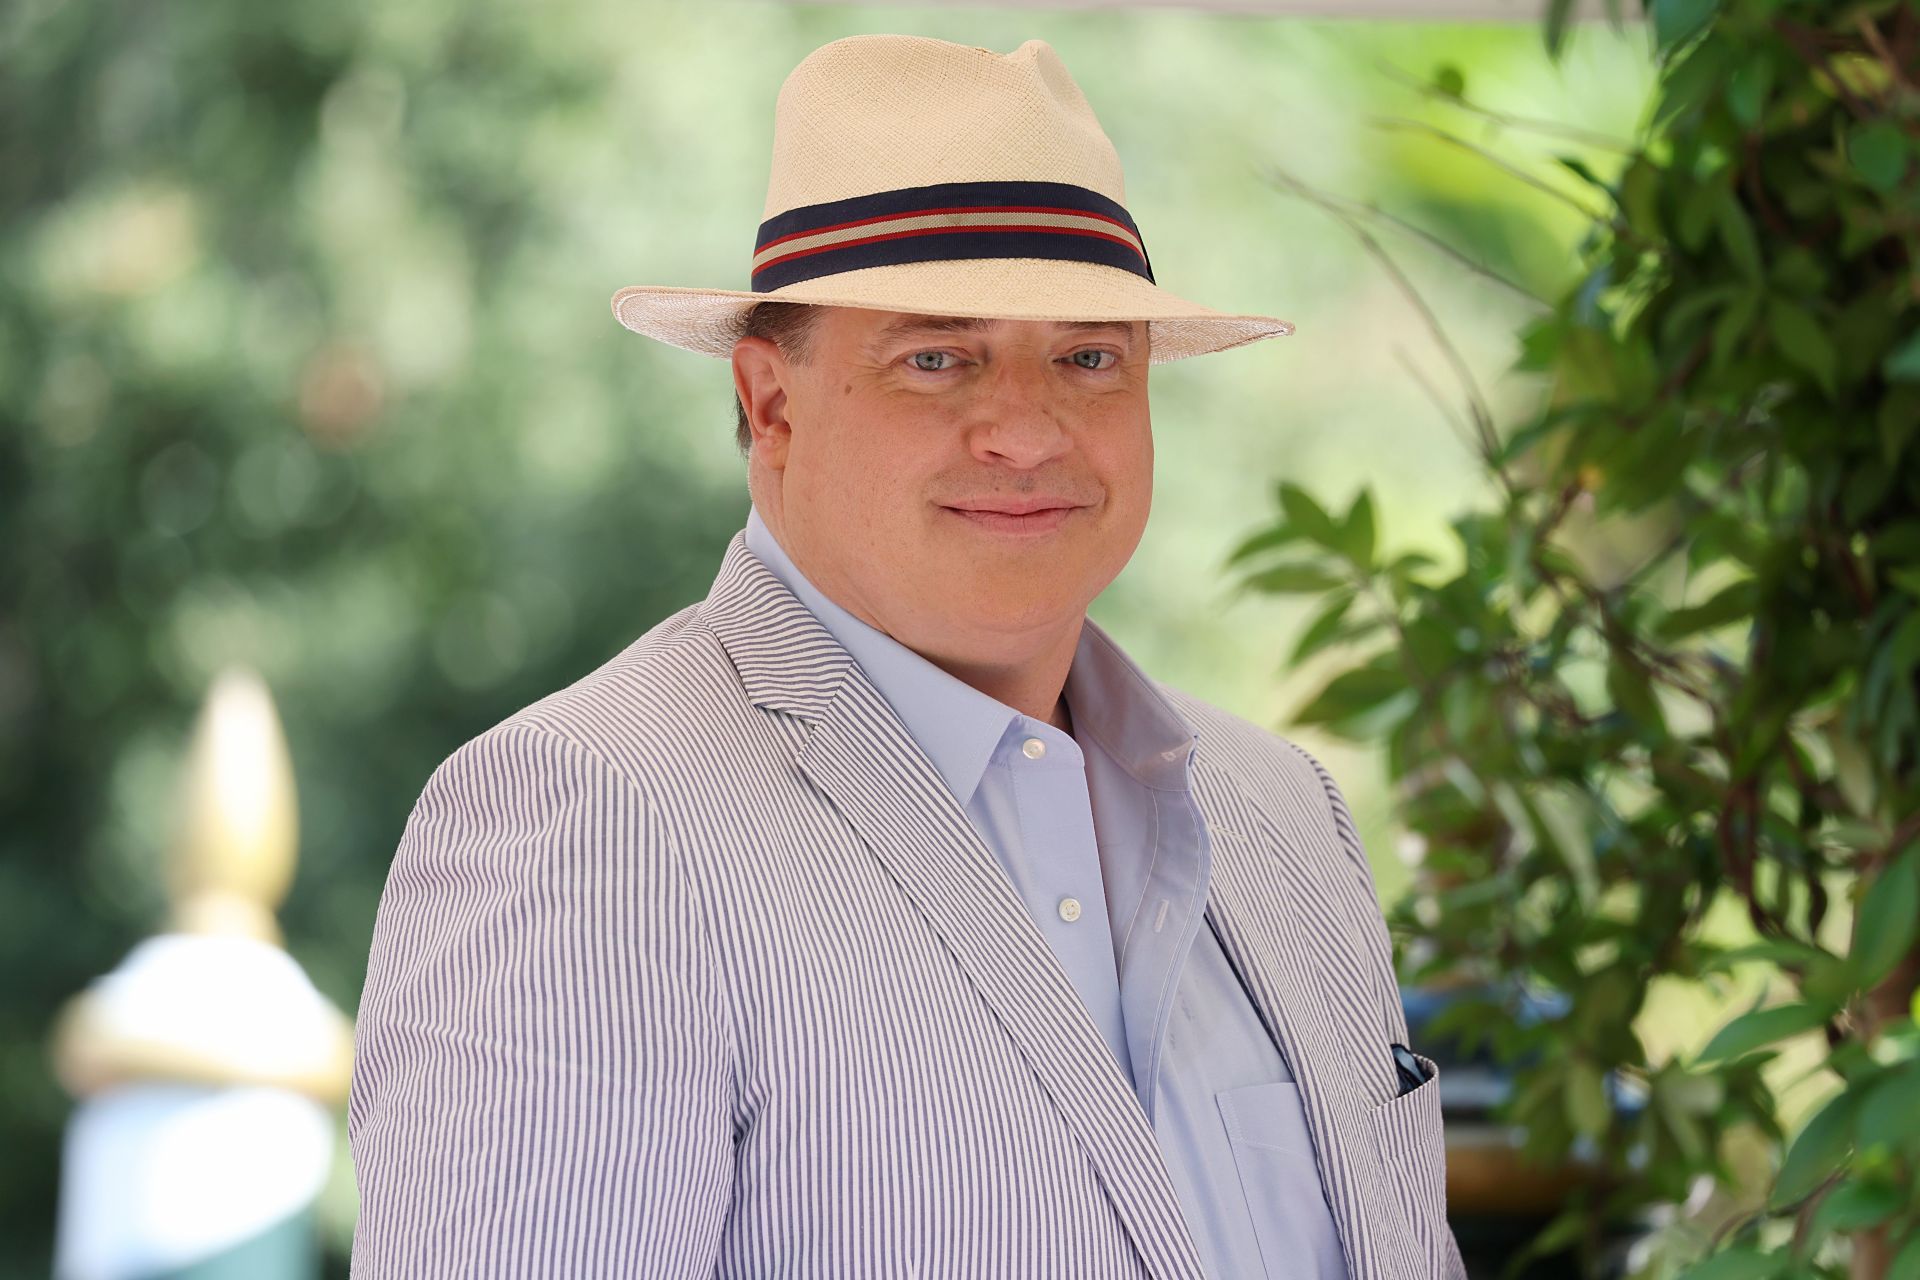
(913, 174)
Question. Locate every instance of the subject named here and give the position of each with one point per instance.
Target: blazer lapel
(862, 758)
(1277, 921)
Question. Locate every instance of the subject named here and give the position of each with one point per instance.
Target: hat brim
(709, 321)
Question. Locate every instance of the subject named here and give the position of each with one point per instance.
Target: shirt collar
(1110, 698)
(1121, 707)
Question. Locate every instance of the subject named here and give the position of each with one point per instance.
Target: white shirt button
(1069, 909)
(1033, 748)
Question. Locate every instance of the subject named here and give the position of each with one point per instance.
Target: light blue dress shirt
(1099, 834)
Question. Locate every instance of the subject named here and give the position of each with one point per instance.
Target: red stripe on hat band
(924, 213)
(935, 231)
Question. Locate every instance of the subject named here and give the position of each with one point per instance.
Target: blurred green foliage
(1678, 662)
(275, 390)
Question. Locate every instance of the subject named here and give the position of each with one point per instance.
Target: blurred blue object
(1497, 1202)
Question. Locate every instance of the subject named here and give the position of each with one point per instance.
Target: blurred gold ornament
(233, 854)
(215, 1001)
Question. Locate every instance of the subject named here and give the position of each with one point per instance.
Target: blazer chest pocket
(1413, 1149)
(1273, 1154)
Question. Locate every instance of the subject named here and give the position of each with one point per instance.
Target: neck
(1033, 689)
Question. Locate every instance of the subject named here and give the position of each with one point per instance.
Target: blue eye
(916, 357)
(1096, 353)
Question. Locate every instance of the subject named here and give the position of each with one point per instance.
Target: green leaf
(1907, 1265)
(1854, 1206)
(1826, 979)
(1640, 198)
(1699, 1095)
(1676, 20)
(1587, 1108)
(1279, 535)
(1325, 628)
(1802, 340)
(1899, 418)
(1903, 363)
(1350, 693)
(1890, 1110)
(1630, 690)
(1899, 540)
(1357, 531)
(1284, 579)
(1559, 1235)
(1733, 603)
(1762, 1027)
(1554, 33)
(1738, 1264)
(1678, 326)
(1816, 1151)
(1308, 516)
(1863, 492)
(1904, 647)
(1408, 562)
(1829, 980)
(1799, 274)
(1780, 951)
(1747, 90)
(1582, 170)
(1681, 1126)
(1736, 233)
(1889, 916)
(1878, 151)
(1734, 322)
(1695, 80)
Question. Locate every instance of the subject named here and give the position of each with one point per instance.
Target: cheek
(825, 488)
(1125, 459)
(877, 488)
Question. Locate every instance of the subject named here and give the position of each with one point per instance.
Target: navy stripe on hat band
(946, 221)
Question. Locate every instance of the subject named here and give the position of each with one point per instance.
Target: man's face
(866, 458)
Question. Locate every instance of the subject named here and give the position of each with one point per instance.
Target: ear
(761, 376)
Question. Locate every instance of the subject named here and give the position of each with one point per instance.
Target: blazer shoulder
(1285, 780)
(1258, 757)
(664, 692)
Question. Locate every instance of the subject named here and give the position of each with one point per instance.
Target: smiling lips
(1013, 506)
(1016, 515)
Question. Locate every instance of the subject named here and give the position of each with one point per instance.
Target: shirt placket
(1063, 889)
(1172, 906)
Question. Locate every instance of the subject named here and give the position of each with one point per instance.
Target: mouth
(1035, 521)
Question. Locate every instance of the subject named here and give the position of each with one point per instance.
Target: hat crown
(913, 174)
(874, 113)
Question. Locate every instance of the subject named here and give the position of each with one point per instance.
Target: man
(876, 915)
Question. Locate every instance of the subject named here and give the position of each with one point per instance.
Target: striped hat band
(944, 221)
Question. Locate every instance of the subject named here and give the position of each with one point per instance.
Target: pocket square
(1412, 1073)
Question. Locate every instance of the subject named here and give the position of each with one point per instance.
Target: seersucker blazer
(696, 967)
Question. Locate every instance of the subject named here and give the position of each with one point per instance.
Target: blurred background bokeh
(307, 368)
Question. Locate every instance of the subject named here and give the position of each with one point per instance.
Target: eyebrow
(912, 325)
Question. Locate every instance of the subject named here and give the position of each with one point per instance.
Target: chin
(995, 612)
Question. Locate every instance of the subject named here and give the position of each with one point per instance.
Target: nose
(1018, 414)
